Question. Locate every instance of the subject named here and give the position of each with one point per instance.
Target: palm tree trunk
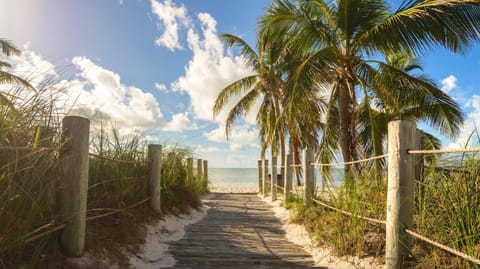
(281, 135)
(345, 119)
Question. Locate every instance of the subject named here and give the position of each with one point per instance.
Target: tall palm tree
(265, 83)
(347, 37)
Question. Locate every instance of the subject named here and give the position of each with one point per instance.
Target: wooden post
(419, 161)
(260, 177)
(199, 170)
(155, 177)
(401, 172)
(189, 171)
(308, 174)
(288, 177)
(74, 184)
(265, 178)
(274, 179)
(205, 174)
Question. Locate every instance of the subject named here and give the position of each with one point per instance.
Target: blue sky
(156, 66)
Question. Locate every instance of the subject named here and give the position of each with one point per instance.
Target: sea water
(248, 177)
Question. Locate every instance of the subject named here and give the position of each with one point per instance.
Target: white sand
(322, 257)
(172, 228)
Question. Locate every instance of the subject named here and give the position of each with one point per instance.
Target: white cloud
(161, 87)
(171, 18)
(240, 137)
(210, 70)
(179, 123)
(97, 93)
(33, 67)
(449, 83)
(201, 149)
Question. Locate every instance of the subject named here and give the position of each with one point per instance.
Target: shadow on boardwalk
(239, 231)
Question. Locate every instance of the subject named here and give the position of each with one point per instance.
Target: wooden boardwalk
(239, 231)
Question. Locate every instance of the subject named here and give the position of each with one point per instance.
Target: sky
(156, 66)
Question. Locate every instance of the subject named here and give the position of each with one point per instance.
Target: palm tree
(9, 49)
(265, 84)
(346, 39)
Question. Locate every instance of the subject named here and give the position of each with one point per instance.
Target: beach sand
(323, 258)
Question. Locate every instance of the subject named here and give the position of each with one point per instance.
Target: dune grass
(29, 176)
(447, 210)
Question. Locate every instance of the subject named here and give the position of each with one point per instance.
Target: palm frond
(420, 25)
(234, 89)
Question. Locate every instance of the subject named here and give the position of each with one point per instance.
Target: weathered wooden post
(205, 174)
(288, 177)
(308, 173)
(199, 170)
(155, 177)
(401, 172)
(260, 177)
(265, 178)
(74, 184)
(190, 171)
(419, 161)
(274, 179)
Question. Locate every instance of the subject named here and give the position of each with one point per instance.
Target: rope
(352, 162)
(446, 248)
(350, 214)
(295, 165)
(437, 151)
(117, 210)
(280, 187)
(24, 148)
(115, 160)
(40, 235)
(113, 180)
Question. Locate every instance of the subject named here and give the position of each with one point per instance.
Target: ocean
(247, 178)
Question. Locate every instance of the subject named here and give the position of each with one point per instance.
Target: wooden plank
(239, 231)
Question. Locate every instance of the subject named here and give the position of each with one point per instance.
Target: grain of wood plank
(239, 231)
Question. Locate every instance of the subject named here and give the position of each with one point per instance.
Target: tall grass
(28, 171)
(447, 210)
(29, 175)
(343, 234)
(119, 179)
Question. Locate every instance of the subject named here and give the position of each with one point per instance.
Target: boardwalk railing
(403, 144)
(73, 191)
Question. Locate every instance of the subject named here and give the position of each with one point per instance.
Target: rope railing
(115, 211)
(45, 233)
(115, 160)
(352, 162)
(24, 148)
(439, 151)
(114, 180)
(446, 248)
(62, 226)
(349, 213)
(280, 187)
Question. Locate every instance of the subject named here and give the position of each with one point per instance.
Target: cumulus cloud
(161, 87)
(171, 17)
(180, 122)
(99, 94)
(449, 83)
(239, 139)
(201, 149)
(209, 71)
(33, 67)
